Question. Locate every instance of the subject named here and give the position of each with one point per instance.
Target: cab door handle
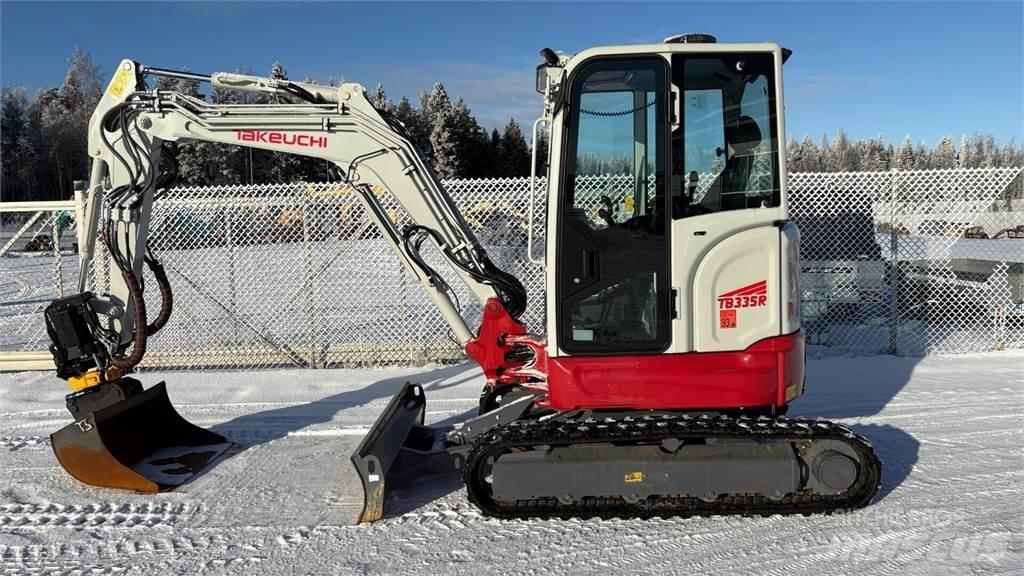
(588, 264)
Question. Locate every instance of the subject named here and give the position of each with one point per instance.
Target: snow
(947, 428)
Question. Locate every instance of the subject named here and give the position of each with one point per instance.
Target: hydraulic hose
(139, 311)
(166, 296)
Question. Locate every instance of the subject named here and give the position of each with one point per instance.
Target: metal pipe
(175, 74)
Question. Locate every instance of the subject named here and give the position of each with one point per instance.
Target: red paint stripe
(755, 288)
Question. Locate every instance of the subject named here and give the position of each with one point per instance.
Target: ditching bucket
(399, 449)
(139, 443)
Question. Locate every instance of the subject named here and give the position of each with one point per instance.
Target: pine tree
(844, 156)
(471, 143)
(16, 151)
(944, 155)
(905, 155)
(829, 163)
(278, 71)
(413, 121)
(963, 156)
(192, 155)
(435, 105)
(281, 167)
(794, 154)
(228, 163)
(379, 99)
(876, 156)
(543, 150)
(513, 153)
(447, 162)
(922, 157)
(810, 156)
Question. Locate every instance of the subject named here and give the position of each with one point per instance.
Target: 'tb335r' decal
(751, 296)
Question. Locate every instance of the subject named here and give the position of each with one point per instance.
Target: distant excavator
(673, 343)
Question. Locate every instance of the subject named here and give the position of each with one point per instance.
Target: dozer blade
(376, 454)
(140, 443)
(399, 449)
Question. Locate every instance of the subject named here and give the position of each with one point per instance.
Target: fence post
(58, 269)
(229, 223)
(307, 274)
(894, 264)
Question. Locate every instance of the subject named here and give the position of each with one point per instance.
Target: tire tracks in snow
(105, 556)
(15, 443)
(125, 515)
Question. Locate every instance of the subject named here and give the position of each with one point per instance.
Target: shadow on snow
(837, 388)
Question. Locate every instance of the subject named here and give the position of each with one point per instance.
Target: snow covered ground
(947, 428)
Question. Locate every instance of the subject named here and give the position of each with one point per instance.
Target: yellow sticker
(634, 477)
(791, 392)
(121, 81)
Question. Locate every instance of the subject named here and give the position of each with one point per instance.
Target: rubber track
(654, 428)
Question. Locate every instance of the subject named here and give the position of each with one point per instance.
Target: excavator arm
(367, 147)
(97, 339)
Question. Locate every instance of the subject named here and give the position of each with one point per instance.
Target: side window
(704, 135)
(615, 173)
(725, 154)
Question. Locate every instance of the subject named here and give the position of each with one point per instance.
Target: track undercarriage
(521, 463)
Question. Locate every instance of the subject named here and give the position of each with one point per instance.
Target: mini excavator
(673, 341)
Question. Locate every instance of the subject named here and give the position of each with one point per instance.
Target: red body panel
(769, 372)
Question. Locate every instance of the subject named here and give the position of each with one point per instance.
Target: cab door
(613, 267)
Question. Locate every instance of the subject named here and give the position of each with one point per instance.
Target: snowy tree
(379, 99)
(944, 155)
(810, 156)
(413, 121)
(1012, 156)
(875, 156)
(794, 154)
(844, 156)
(228, 163)
(447, 162)
(922, 156)
(192, 155)
(905, 155)
(435, 105)
(65, 124)
(17, 156)
(278, 71)
(964, 157)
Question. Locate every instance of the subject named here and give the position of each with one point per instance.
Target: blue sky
(927, 69)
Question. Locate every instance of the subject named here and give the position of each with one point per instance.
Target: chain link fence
(297, 275)
(38, 262)
(912, 263)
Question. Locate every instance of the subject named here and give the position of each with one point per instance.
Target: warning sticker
(121, 81)
(634, 477)
(727, 318)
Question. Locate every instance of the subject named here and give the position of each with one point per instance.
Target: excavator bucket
(139, 443)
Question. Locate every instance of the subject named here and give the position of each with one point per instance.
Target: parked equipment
(673, 344)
